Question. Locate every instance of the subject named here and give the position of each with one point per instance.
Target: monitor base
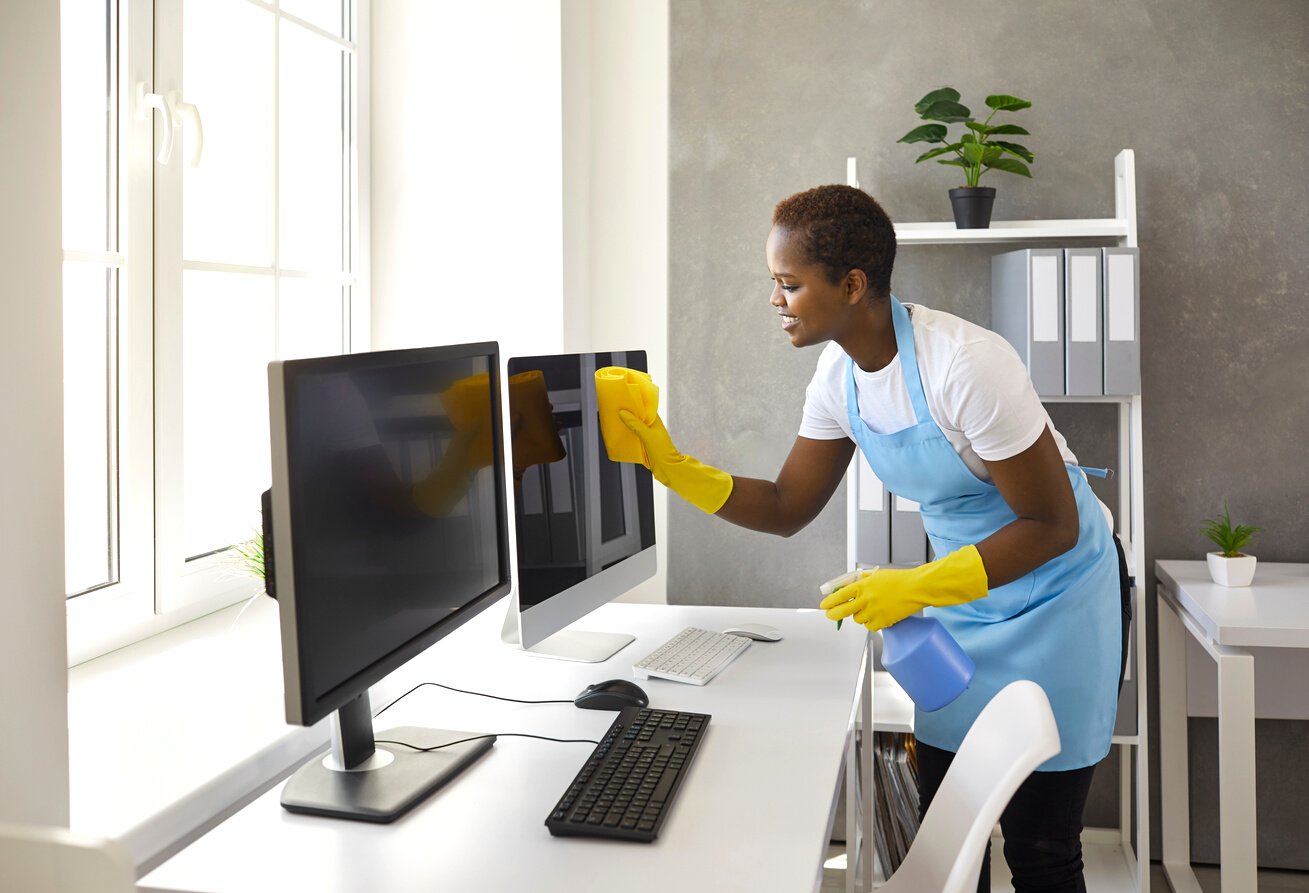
(581, 645)
(382, 793)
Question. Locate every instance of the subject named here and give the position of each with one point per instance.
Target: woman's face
(813, 310)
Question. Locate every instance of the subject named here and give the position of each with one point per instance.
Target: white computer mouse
(760, 632)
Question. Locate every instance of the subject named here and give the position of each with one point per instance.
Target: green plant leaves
(1228, 538)
(949, 94)
(985, 130)
(947, 111)
(1015, 149)
(1003, 103)
(249, 555)
(935, 152)
(1012, 165)
(981, 153)
(926, 133)
(975, 151)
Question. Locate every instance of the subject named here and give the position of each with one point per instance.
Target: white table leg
(866, 772)
(1236, 771)
(1174, 796)
(1236, 757)
(854, 834)
(859, 836)
(1142, 751)
(1125, 796)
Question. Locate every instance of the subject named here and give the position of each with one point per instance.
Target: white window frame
(149, 553)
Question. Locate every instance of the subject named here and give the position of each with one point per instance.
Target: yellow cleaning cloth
(532, 422)
(619, 388)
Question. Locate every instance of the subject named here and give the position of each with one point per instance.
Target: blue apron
(1058, 625)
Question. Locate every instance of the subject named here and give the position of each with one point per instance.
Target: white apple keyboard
(694, 655)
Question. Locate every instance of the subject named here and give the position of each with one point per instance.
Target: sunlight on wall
(466, 174)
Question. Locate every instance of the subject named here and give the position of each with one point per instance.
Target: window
(212, 174)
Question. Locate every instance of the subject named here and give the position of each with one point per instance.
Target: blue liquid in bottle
(925, 659)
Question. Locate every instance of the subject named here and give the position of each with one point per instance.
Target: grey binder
(908, 539)
(1083, 323)
(872, 519)
(1027, 309)
(1122, 321)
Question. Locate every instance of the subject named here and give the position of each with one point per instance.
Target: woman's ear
(856, 285)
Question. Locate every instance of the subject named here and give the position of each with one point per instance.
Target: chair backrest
(1012, 735)
(56, 860)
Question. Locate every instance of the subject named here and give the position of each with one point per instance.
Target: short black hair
(841, 228)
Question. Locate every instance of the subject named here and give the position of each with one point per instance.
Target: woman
(1028, 580)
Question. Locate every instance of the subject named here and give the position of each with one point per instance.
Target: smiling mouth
(788, 321)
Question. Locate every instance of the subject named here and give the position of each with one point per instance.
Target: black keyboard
(628, 784)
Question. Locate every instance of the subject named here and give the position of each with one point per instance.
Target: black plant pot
(972, 206)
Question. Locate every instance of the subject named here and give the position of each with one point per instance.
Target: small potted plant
(976, 151)
(249, 557)
(1229, 566)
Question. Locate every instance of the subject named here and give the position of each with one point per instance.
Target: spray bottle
(919, 653)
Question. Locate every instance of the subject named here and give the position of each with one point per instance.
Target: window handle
(145, 101)
(186, 113)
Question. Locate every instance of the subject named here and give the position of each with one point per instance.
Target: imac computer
(390, 528)
(583, 525)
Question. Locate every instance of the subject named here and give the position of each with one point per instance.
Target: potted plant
(1229, 566)
(976, 150)
(249, 557)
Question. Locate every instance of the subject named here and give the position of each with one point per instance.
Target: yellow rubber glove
(889, 594)
(704, 486)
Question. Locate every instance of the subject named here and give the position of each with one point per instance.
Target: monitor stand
(360, 781)
(581, 645)
(585, 646)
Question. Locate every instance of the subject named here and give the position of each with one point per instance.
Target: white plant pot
(1237, 571)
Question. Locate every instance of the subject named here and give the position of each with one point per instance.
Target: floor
(1269, 881)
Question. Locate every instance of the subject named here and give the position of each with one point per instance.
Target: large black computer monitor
(584, 526)
(390, 531)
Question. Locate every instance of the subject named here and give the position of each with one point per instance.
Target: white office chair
(55, 860)
(1012, 735)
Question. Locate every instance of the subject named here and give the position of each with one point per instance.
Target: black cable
(476, 737)
(489, 735)
(465, 692)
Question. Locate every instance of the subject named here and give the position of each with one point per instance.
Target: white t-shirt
(978, 392)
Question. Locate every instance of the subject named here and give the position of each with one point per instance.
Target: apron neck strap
(904, 343)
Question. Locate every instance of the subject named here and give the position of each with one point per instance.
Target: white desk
(754, 814)
(1272, 612)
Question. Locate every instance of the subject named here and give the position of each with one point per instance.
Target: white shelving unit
(1114, 861)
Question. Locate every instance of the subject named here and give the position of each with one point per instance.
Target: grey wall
(769, 97)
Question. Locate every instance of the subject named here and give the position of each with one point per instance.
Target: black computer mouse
(612, 694)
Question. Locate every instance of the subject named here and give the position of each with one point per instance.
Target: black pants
(1042, 824)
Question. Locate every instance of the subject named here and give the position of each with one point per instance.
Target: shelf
(1092, 398)
(892, 709)
(945, 233)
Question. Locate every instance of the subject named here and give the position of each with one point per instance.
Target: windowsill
(171, 735)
